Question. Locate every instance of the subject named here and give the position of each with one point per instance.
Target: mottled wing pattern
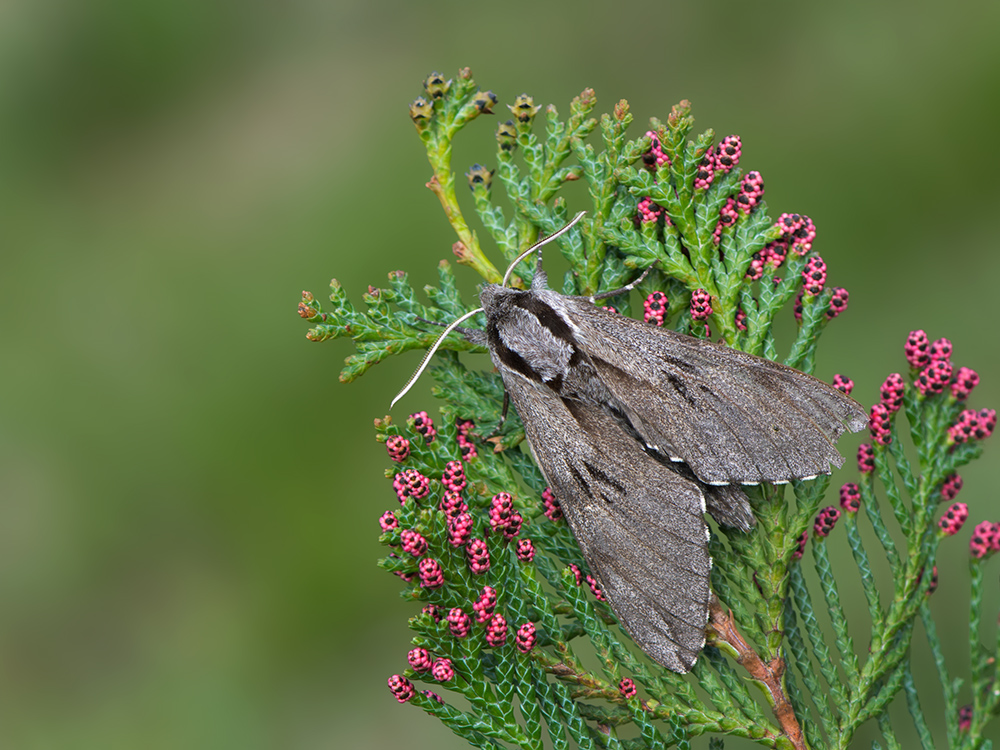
(732, 417)
(639, 523)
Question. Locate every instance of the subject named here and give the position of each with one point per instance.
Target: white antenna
(430, 353)
(537, 245)
(452, 326)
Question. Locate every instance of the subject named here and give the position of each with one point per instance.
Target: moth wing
(639, 524)
(731, 416)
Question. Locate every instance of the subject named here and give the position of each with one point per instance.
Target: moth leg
(472, 335)
(460, 329)
(627, 288)
(503, 415)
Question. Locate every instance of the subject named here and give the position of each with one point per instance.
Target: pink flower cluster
(973, 425)
(466, 445)
(985, 539)
(424, 425)
(727, 217)
(843, 384)
(459, 623)
(595, 588)
(419, 660)
(917, 349)
(479, 556)
(398, 448)
(431, 575)
(432, 611)
(774, 253)
(496, 631)
(460, 529)
(503, 518)
(880, 424)
(655, 308)
(410, 483)
(452, 504)
(751, 192)
(951, 486)
(718, 160)
(940, 350)
(850, 497)
(706, 171)
(525, 637)
(413, 542)
(934, 378)
(627, 687)
(814, 276)
(577, 573)
(866, 458)
(953, 518)
(892, 391)
(401, 687)
(965, 718)
(553, 511)
(801, 542)
(525, 550)
(650, 212)
(453, 477)
(485, 604)
(799, 232)
(728, 152)
(963, 382)
(656, 157)
(825, 521)
(443, 670)
(701, 304)
(933, 373)
(388, 521)
(838, 302)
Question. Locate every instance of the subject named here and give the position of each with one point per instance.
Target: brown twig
(768, 674)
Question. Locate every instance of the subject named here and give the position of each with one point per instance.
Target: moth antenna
(430, 353)
(530, 250)
(627, 288)
(454, 324)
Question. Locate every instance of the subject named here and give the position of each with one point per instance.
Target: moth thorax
(543, 350)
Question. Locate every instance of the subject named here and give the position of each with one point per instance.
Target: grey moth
(639, 430)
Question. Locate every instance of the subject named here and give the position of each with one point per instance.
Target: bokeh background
(189, 497)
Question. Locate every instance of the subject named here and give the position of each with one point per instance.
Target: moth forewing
(639, 524)
(731, 416)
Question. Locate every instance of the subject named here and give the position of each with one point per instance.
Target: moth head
(493, 297)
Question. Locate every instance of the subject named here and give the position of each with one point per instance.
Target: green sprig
(547, 696)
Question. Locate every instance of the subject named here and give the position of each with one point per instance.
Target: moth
(639, 430)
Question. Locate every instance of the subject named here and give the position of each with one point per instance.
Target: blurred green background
(189, 497)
